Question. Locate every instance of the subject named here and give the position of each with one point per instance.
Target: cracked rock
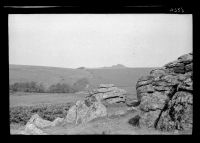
(109, 93)
(166, 97)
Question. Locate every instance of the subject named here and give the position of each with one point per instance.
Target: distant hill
(45, 75)
(117, 74)
(118, 66)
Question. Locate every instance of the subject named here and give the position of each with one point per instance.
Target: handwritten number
(177, 10)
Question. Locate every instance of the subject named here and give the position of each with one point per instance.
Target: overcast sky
(96, 40)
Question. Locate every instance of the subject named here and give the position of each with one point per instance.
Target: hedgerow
(21, 114)
(32, 86)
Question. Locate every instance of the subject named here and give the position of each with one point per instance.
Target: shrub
(61, 88)
(27, 87)
(80, 84)
(81, 68)
(21, 114)
(39, 88)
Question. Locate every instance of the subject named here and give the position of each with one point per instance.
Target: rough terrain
(110, 124)
(166, 96)
(164, 106)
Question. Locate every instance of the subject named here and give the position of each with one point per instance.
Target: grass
(21, 114)
(48, 106)
(31, 99)
(105, 125)
(125, 78)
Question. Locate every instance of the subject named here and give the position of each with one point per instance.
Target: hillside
(123, 77)
(45, 75)
(118, 66)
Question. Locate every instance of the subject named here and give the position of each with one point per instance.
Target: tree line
(55, 88)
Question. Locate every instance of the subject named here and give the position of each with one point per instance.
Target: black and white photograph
(100, 74)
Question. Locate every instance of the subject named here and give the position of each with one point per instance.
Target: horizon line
(83, 66)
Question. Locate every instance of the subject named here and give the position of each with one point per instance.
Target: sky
(98, 40)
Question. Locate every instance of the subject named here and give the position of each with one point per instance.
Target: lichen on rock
(35, 125)
(109, 93)
(166, 97)
(85, 110)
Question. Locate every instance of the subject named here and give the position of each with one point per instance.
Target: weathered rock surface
(57, 121)
(178, 116)
(39, 122)
(93, 105)
(132, 102)
(85, 111)
(35, 125)
(165, 96)
(31, 129)
(120, 112)
(109, 93)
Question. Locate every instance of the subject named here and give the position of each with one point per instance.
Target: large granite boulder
(86, 110)
(166, 97)
(109, 93)
(178, 116)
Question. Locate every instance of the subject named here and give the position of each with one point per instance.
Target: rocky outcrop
(82, 112)
(35, 125)
(39, 122)
(109, 93)
(166, 96)
(85, 111)
(57, 121)
(31, 129)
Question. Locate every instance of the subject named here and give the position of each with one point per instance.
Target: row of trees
(55, 88)
(27, 87)
(61, 88)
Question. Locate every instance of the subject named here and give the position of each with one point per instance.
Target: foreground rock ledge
(166, 96)
(35, 125)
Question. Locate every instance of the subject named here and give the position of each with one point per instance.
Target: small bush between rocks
(21, 114)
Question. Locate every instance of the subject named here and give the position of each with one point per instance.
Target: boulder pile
(82, 112)
(166, 96)
(92, 107)
(109, 93)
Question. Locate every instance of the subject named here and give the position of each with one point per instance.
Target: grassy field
(30, 99)
(123, 77)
